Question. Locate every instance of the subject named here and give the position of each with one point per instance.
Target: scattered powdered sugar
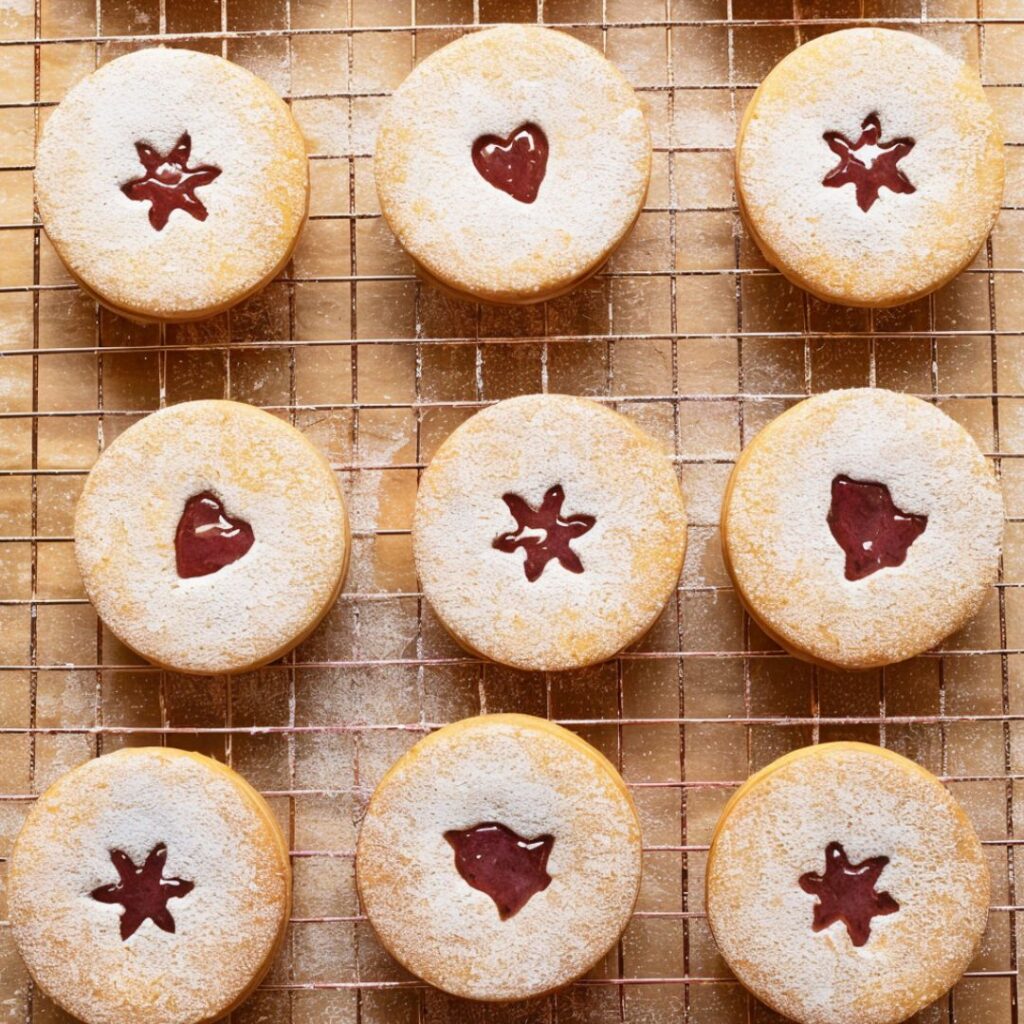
(474, 236)
(256, 206)
(875, 804)
(790, 570)
(265, 472)
(632, 556)
(217, 835)
(906, 244)
(534, 778)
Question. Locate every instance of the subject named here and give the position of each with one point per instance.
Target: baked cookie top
(549, 532)
(149, 885)
(500, 857)
(870, 166)
(172, 183)
(861, 527)
(515, 109)
(845, 883)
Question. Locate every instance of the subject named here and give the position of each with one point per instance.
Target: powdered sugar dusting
(906, 244)
(218, 836)
(874, 804)
(265, 472)
(632, 556)
(534, 778)
(256, 206)
(473, 236)
(790, 570)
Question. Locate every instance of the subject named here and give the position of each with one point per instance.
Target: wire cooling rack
(686, 330)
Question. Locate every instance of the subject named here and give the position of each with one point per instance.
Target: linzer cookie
(844, 883)
(549, 532)
(211, 537)
(511, 163)
(150, 885)
(869, 166)
(173, 184)
(862, 527)
(499, 858)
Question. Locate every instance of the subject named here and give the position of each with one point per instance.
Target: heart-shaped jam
(208, 538)
(515, 164)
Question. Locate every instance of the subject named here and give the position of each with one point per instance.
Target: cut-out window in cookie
(207, 538)
(870, 529)
(515, 164)
(846, 892)
(505, 866)
(869, 164)
(544, 533)
(143, 891)
(169, 184)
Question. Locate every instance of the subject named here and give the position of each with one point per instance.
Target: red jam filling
(143, 892)
(868, 164)
(544, 533)
(208, 538)
(873, 532)
(846, 892)
(516, 164)
(169, 184)
(510, 869)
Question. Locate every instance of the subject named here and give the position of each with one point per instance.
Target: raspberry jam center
(515, 164)
(868, 164)
(208, 538)
(509, 868)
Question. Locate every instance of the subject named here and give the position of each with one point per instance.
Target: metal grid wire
(687, 330)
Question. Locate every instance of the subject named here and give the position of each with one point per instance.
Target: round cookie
(211, 537)
(150, 885)
(869, 167)
(862, 527)
(499, 858)
(549, 532)
(173, 184)
(512, 163)
(844, 883)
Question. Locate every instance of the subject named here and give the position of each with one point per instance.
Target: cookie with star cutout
(499, 858)
(861, 528)
(512, 163)
(844, 883)
(549, 532)
(172, 184)
(149, 885)
(212, 537)
(869, 167)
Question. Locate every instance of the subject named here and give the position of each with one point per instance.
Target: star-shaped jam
(208, 538)
(846, 892)
(143, 892)
(516, 164)
(544, 533)
(873, 532)
(869, 164)
(509, 868)
(169, 183)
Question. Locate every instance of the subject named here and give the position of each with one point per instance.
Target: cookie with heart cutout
(512, 163)
(500, 857)
(212, 537)
(844, 883)
(862, 527)
(173, 184)
(869, 166)
(149, 885)
(549, 532)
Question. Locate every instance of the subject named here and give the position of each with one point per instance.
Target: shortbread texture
(263, 471)
(471, 236)
(535, 778)
(219, 834)
(256, 206)
(875, 803)
(907, 244)
(790, 571)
